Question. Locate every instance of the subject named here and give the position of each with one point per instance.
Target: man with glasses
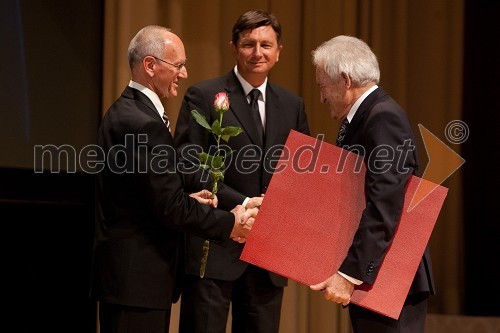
(141, 207)
(267, 113)
(179, 67)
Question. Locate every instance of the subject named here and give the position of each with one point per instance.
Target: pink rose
(221, 102)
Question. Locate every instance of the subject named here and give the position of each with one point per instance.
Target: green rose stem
(204, 258)
(215, 176)
(214, 164)
(206, 243)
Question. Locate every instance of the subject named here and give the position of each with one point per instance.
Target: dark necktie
(166, 120)
(342, 132)
(254, 108)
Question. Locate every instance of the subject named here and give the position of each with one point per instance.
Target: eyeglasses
(179, 67)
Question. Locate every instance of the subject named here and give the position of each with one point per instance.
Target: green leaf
(217, 175)
(211, 162)
(229, 153)
(231, 130)
(217, 162)
(203, 157)
(216, 129)
(200, 119)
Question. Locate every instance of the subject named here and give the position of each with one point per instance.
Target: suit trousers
(256, 304)
(115, 318)
(411, 319)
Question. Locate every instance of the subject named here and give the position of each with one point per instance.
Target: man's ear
(346, 79)
(234, 49)
(280, 46)
(148, 63)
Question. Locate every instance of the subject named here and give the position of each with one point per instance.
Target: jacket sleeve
(163, 189)
(389, 166)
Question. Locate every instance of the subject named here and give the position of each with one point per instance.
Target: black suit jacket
(250, 166)
(380, 126)
(141, 208)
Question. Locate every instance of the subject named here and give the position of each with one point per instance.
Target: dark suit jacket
(250, 166)
(141, 208)
(380, 125)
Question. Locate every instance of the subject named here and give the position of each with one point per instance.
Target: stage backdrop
(419, 46)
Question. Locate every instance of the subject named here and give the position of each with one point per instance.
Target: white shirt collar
(150, 94)
(356, 104)
(247, 87)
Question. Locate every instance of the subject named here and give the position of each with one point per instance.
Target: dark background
(50, 75)
(481, 111)
(51, 92)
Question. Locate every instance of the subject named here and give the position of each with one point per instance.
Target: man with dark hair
(267, 113)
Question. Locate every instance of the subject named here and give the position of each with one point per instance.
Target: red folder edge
(305, 226)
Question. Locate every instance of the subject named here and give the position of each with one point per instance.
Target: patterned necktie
(167, 121)
(254, 106)
(342, 132)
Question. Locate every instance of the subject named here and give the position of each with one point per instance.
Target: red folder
(312, 209)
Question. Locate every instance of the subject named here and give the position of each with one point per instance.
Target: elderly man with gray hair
(347, 74)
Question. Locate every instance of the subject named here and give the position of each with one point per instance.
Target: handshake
(244, 216)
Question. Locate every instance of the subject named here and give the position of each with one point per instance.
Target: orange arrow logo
(443, 162)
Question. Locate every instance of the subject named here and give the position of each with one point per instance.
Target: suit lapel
(241, 109)
(273, 115)
(361, 113)
(149, 108)
(140, 97)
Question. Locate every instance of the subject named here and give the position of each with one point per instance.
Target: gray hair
(349, 55)
(149, 40)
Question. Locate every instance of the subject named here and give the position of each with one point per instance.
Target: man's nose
(184, 72)
(258, 50)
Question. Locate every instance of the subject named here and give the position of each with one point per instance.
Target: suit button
(265, 187)
(370, 268)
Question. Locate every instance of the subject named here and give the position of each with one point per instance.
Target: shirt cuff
(245, 202)
(350, 279)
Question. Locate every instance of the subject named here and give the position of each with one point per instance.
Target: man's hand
(205, 197)
(255, 202)
(336, 289)
(249, 213)
(243, 223)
